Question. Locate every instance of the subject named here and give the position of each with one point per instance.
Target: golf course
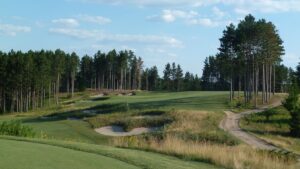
(187, 134)
(149, 84)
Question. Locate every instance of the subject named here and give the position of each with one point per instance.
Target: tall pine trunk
(72, 84)
(57, 88)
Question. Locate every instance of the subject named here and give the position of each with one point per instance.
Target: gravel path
(231, 124)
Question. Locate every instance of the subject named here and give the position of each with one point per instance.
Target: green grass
(131, 120)
(72, 130)
(40, 154)
(23, 155)
(274, 129)
(78, 130)
(191, 118)
(167, 100)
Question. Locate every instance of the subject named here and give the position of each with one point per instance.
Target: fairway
(79, 130)
(18, 153)
(25, 155)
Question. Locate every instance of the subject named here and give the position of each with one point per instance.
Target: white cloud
(190, 17)
(94, 19)
(143, 3)
(205, 22)
(13, 30)
(99, 35)
(263, 6)
(173, 15)
(67, 22)
(252, 5)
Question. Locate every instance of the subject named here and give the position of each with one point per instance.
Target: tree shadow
(281, 133)
(79, 114)
(200, 102)
(99, 98)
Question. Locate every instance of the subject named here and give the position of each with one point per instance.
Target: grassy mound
(59, 154)
(129, 121)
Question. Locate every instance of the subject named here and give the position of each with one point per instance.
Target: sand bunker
(146, 116)
(99, 95)
(91, 112)
(118, 131)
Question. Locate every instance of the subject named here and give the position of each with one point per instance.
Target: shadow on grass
(79, 114)
(272, 121)
(199, 102)
(99, 98)
(281, 133)
(202, 102)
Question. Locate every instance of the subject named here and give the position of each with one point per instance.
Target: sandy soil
(97, 96)
(119, 131)
(145, 116)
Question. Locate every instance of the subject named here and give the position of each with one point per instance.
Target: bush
(15, 128)
(292, 105)
(268, 114)
(238, 103)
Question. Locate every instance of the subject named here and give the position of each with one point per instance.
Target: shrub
(15, 128)
(268, 114)
(292, 105)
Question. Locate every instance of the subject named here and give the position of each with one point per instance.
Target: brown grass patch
(236, 157)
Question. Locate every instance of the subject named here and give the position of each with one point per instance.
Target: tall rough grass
(15, 128)
(236, 157)
(195, 135)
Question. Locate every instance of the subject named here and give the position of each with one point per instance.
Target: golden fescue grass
(217, 152)
(188, 120)
(236, 157)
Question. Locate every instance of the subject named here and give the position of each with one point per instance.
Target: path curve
(231, 124)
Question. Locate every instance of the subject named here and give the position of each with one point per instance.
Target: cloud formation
(66, 22)
(190, 17)
(99, 35)
(13, 30)
(173, 15)
(207, 22)
(265, 6)
(94, 19)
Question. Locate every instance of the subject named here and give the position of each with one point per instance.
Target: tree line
(33, 79)
(248, 59)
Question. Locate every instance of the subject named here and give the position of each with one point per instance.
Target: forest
(249, 60)
(36, 78)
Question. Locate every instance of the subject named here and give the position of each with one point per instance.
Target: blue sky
(160, 31)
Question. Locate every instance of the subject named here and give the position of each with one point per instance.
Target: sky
(159, 31)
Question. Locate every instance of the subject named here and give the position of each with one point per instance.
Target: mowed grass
(79, 130)
(192, 135)
(274, 130)
(23, 155)
(199, 100)
(70, 130)
(39, 154)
